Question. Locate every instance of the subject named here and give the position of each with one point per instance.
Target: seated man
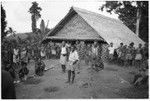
(141, 77)
(23, 71)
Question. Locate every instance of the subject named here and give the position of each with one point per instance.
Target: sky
(19, 18)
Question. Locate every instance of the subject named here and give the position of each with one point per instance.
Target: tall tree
(35, 14)
(134, 14)
(3, 23)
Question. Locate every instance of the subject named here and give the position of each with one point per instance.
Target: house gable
(77, 28)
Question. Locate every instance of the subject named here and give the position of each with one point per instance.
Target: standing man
(72, 64)
(63, 56)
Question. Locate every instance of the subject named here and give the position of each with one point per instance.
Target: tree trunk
(138, 20)
(33, 24)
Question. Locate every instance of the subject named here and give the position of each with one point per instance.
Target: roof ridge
(96, 14)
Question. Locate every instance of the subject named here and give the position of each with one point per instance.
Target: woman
(138, 56)
(97, 63)
(130, 54)
(63, 56)
(88, 52)
(16, 56)
(72, 64)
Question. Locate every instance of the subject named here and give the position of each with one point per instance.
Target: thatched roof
(109, 29)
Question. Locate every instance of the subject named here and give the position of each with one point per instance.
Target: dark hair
(23, 63)
(121, 43)
(73, 46)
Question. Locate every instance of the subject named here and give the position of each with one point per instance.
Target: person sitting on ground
(141, 77)
(23, 71)
(39, 67)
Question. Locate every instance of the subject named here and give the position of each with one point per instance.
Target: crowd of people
(72, 54)
(129, 56)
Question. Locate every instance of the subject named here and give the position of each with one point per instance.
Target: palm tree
(35, 14)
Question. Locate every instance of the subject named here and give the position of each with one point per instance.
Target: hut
(80, 24)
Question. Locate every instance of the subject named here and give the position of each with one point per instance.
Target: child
(39, 67)
(23, 71)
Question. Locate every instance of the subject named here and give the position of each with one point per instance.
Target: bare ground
(112, 82)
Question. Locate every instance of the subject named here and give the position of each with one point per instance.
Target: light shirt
(42, 53)
(63, 50)
(53, 52)
(73, 56)
(23, 54)
(16, 51)
(111, 50)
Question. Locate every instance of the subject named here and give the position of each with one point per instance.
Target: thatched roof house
(80, 24)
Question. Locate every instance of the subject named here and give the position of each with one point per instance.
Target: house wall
(78, 28)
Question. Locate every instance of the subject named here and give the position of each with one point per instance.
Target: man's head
(121, 44)
(72, 48)
(95, 43)
(140, 45)
(63, 43)
(111, 44)
(77, 42)
(132, 44)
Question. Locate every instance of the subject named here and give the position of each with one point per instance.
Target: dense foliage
(127, 11)
(3, 23)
